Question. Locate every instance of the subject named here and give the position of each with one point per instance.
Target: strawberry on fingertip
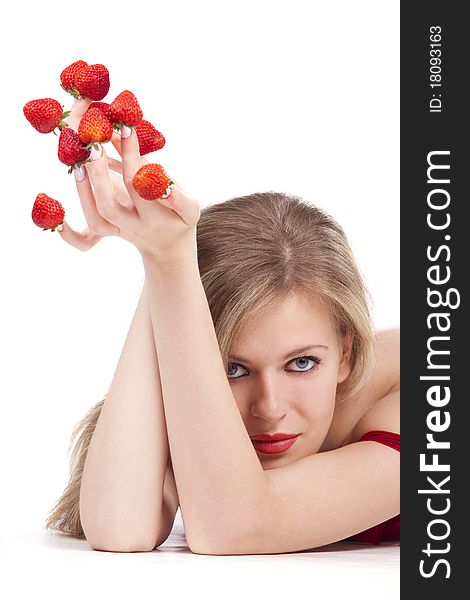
(67, 77)
(47, 213)
(125, 109)
(150, 139)
(45, 114)
(102, 106)
(92, 81)
(82, 80)
(151, 182)
(95, 127)
(71, 150)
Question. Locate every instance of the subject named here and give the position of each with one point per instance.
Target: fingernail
(79, 173)
(166, 193)
(95, 154)
(125, 131)
(60, 228)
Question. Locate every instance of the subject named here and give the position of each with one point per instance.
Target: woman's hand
(112, 206)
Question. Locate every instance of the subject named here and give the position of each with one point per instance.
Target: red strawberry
(47, 212)
(103, 106)
(68, 74)
(45, 114)
(125, 109)
(151, 182)
(95, 127)
(71, 150)
(92, 81)
(150, 139)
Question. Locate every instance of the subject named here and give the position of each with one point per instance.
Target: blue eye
(304, 359)
(301, 359)
(231, 365)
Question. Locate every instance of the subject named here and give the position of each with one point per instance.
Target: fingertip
(79, 173)
(130, 153)
(82, 103)
(129, 139)
(167, 192)
(95, 153)
(126, 132)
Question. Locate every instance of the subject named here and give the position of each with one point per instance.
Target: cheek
(325, 383)
(241, 399)
(319, 405)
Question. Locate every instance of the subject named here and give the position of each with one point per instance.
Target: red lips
(266, 437)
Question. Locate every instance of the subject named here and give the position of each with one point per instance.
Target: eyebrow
(292, 353)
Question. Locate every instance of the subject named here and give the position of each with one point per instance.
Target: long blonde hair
(254, 251)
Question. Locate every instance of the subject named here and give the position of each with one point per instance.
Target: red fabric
(388, 530)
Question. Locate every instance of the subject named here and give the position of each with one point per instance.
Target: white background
(301, 97)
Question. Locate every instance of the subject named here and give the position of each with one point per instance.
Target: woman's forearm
(122, 484)
(221, 483)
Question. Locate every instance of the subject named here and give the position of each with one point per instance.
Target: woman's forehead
(287, 322)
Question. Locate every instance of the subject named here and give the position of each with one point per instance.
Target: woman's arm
(221, 483)
(122, 487)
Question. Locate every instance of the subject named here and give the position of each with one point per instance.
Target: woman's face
(279, 389)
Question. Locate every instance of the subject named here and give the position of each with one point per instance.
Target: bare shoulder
(381, 394)
(388, 353)
(384, 416)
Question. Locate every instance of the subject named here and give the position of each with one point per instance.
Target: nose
(269, 402)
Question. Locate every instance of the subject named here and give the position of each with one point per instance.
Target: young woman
(250, 391)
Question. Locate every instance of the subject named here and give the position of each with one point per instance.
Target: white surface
(59, 567)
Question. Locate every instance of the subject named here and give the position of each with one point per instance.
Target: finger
(131, 163)
(106, 204)
(116, 142)
(96, 223)
(187, 207)
(79, 108)
(83, 241)
(115, 165)
(119, 189)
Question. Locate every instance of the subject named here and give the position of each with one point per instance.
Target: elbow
(124, 538)
(226, 547)
(120, 546)
(119, 542)
(206, 540)
(236, 531)
(116, 541)
(218, 548)
(224, 541)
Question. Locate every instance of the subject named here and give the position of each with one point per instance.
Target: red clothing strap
(388, 530)
(388, 438)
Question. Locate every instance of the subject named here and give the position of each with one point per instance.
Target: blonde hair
(255, 251)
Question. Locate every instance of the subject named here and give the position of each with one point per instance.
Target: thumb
(187, 207)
